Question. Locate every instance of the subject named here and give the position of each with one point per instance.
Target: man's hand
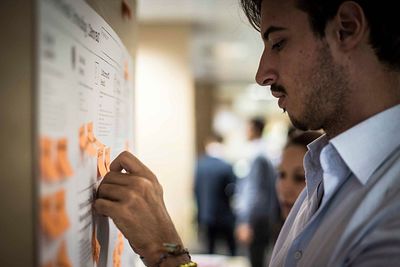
(134, 201)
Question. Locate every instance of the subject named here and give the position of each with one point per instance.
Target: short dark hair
(214, 137)
(382, 17)
(258, 124)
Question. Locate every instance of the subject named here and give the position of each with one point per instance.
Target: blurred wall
(165, 116)
(16, 134)
(205, 107)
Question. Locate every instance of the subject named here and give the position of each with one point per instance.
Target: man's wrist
(175, 261)
(152, 256)
(167, 255)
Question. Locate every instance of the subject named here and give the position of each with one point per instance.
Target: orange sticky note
(90, 133)
(120, 242)
(83, 140)
(99, 144)
(53, 214)
(126, 71)
(108, 158)
(62, 158)
(117, 253)
(91, 150)
(100, 162)
(63, 221)
(50, 218)
(116, 261)
(62, 256)
(90, 139)
(48, 168)
(47, 216)
(95, 247)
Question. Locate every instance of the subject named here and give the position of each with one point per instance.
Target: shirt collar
(365, 146)
(312, 165)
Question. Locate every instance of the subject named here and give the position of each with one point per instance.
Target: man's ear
(350, 25)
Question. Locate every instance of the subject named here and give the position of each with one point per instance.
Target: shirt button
(297, 255)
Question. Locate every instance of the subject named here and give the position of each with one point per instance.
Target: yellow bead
(189, 264)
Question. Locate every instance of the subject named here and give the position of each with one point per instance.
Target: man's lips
(282, 98)
(277, 94)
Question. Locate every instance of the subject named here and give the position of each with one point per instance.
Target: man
(214, 187)
(258, 209)
(333, 65)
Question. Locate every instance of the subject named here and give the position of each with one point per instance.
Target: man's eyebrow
(270, 30)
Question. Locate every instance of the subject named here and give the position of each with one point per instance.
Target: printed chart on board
(85, 119)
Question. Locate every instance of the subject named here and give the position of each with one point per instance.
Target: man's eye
(278, 45)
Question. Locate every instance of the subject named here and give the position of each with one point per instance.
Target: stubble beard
(325, 102)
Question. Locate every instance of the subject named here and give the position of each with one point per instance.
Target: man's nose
(266, 75)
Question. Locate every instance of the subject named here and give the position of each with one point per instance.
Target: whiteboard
(85, 119)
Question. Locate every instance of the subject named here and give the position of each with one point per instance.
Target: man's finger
(112, 192)
(128, 162)
(117, 178)
(104, 207)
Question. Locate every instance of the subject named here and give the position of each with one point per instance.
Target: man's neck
(370, 95)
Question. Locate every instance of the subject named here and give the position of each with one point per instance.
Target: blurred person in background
(214, 187)
(291, 177)
(257, 209)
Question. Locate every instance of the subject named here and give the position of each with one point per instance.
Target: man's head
(213, 145)
(382, 18)
(319, 56)
(255, 128)
(213, 138)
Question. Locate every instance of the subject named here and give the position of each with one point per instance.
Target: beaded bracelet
(175, 250)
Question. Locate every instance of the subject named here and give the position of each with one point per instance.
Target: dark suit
(214, 188)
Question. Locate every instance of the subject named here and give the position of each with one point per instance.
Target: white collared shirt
(359, 150)
(350, 159)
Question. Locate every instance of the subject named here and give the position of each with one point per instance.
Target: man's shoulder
(375, 222)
